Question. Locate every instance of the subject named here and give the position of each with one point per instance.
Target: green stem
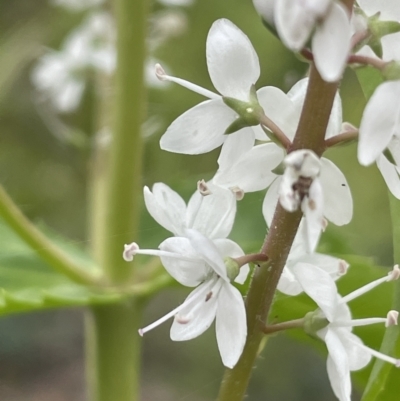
(113, 351)
(46, 249)
(113, 343)
(310, 135)
(124, 180)
(379, 378)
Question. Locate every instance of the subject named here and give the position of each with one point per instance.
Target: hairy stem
(310, 135)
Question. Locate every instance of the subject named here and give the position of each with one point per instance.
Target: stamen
(392, 317)
(343, 266)
(155, 252)
(358, 322)
(393, 275)
(161, 75)
(130, 251)
(377, 354)
(203, 188)
(238, 192)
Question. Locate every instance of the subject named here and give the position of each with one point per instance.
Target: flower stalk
(310, 135)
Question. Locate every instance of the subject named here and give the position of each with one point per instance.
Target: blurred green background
(42, 354)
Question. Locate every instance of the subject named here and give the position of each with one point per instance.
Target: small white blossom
(196, 261)
(61, 76)
(328, 20)
(234, 68)
(389, 10)
(77, 5)
(346, 351)
(298, 256)
(380, 130)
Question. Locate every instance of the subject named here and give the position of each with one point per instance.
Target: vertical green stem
(379, 378)
(310, 135)
(113, 343)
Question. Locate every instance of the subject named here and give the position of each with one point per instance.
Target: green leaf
(28, 284)
(370, 78)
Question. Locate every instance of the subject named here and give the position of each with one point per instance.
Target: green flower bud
(391, 71)
(313, 322)
(232, 268)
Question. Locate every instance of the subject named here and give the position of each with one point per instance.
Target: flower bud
(232, 268)
(314, 322)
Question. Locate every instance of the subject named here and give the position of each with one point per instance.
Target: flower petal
(271, 200)
(226, 247)
(200, 311)
(338, 202)
(188, 273)
(231, 325)
(331, 43)
(293, 22)
(166, 207)
(357, 356)
(200, 129)
(390, 175)
(232, 62)
(208, 252)
(288, 283)
(312, 207)
(212, 215)
(280, 109)
(338, 367)
(234, 147)
(319, 286)
(252, 171)
(380, 122)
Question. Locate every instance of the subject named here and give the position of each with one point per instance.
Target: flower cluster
(255, 130)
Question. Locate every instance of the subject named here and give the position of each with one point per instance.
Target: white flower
(389, 10)
(380, 130)
(295, 21)
(244, 166)
(284, 110)
(61, 76)
(346, 350)
(234, 68)
(197, 261)
(300, 186)
(212, 215)
(299, 255)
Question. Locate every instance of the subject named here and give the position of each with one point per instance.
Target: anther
(130, 251)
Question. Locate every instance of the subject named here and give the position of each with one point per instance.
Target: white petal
(69, 95)
(389, 9)
(319, 286)
(271, 201)
(380, 122)
(212, 215)
(390, 175)
(280, 109)
(331, 43)
(338, 202)
(390, 46)
(235, 145)
(265, 9)
(288, 283)
(226, 247)
(231, 325)
(338, 367)
(166, 207)
(312, 207)
(200, 313)
(200, 129)
(327, 263)
(358, 357)
(208, 252)
(252, 171)
(187, 273)
(231, 59)
(293, 22)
